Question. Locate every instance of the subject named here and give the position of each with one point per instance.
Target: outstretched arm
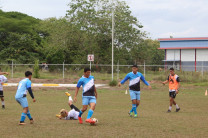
(145, 82)
(75, 96)
(2, 73)
(124, 80)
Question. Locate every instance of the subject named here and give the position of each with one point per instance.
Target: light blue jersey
(22, 88)
(88, 85)
(134, 80)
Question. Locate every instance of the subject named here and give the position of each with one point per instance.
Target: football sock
(90, 112)
(74, 107)
(28, 115)
(2, 102)
(170, 107)
(177, 107)
(134, 108)
(80, 113)
(23, 115)
(70, 98)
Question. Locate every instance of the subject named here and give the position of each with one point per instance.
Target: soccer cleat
(130, 114)
(80, 120)
(3, 106)
(59, 116)
(135, 116)
(67, 94)
(22, 123)
(31, 121)
(177, 110)
(168, 111)
(90, 121)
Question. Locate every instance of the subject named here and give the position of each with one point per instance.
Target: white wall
(202, 55)
(171, 53)
(188, 55)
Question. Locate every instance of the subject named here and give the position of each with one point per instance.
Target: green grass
(111, 111)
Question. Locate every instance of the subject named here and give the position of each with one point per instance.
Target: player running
(89, 95)
(174, 84)
(134, 78)
(72, 114)
(3, 79)
(24, 86)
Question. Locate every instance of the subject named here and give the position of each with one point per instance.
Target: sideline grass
(111, 111)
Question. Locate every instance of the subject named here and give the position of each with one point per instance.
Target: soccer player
(72, 114)
(134, 78)
(174, 84)
(3, 79)
(89, 95)
(24, 86)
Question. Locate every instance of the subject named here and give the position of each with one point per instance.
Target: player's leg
(171, 103)
(70, 103)
(92, 103)
(2, 99)
(134, 103)
(2, 102)
(177, 107)
(23, 102)
(84, 108)
(137, 102)
(30, 117)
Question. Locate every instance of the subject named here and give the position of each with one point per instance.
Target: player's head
(87, 72)
(135, 68)
(63, 113)
(171, 71)
(28, 74)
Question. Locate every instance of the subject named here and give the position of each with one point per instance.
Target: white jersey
(72, 115)
(3, 79)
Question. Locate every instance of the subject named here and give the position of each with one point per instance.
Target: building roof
(182, 39)
(184, 43)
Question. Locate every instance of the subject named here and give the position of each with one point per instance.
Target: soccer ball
(96, 121)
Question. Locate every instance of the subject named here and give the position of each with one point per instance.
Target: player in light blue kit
(134, 78)
(24, 86)
(89, 95)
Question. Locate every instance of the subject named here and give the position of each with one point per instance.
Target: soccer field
(112, 112)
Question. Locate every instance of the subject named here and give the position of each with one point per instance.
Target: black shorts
(172, 94)
(1, 94)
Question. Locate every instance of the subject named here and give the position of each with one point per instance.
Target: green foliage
(113, 83)
(36, 69)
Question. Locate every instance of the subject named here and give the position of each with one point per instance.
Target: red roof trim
(185, 48)
(174, 39)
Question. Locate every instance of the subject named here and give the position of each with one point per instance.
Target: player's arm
(95, 92)
(124, 80)
(179, 85)
(166, 81)
(145, 82)
(3, 73)
(30, 90)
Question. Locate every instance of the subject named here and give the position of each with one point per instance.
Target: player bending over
(174, 84)
(134, 78)
(89, 95)
(72, 114)
(21, 96)
(3, 79)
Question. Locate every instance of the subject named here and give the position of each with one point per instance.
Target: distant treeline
(86, 29)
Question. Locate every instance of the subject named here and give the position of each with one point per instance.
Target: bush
(113, 83)
(36, 69)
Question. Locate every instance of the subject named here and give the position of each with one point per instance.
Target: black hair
(28, 73)
(86, 69)
(171, 69)
(134, 66)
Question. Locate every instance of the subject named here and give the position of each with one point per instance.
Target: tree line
(86, 29)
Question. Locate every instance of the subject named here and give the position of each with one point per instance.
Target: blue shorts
(22, 101)
(135, 95)
(86, 100)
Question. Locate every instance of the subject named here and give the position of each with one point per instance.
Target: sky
(160, 18)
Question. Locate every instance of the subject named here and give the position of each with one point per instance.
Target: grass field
(111, 111)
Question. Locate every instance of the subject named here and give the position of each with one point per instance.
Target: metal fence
(61, 71)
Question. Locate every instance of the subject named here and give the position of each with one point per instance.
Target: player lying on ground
(174, 84)
(89, 95)
(21, 96)
(3, 79)
(134, 78)
(72, 114)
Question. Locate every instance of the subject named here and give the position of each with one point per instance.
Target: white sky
(161, 18)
